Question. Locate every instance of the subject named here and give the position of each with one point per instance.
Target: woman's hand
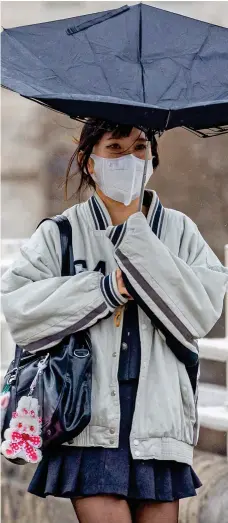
(120, 284)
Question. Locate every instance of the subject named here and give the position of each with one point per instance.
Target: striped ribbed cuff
(110, 291)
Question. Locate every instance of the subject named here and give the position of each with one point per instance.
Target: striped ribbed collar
(101, 218)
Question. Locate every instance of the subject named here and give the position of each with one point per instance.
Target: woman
(148, 286)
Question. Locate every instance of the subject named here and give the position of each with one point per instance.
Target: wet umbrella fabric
(137, 64)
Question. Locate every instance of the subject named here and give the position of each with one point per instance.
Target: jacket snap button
(144, 326)
(137, 453)
(136, 442)
(114, 354)
(124, 346)
(49, 432)
(112, 431)
(112, 441)
(113, 393)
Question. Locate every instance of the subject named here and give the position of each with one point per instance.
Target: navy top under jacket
(130, 350)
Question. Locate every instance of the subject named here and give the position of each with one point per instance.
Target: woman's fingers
(120, 283)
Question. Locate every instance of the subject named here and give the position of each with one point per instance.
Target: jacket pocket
(193, 375)
(188, 402)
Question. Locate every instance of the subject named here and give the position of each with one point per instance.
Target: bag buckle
(12, 378)
(81, 353)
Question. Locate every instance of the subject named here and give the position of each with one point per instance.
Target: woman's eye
(113, 146)
(140, 147)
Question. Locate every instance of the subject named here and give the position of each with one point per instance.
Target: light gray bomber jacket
(179, 285)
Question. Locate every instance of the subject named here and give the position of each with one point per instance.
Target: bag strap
(65, 231)
(68, 269)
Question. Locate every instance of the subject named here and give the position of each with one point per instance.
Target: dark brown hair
(91, 134)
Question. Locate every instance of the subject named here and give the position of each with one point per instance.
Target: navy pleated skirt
(75, 471)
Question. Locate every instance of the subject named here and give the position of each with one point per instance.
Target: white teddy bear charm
(22, 438)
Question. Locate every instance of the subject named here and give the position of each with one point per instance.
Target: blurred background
(192, 177)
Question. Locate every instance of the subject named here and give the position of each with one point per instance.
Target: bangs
(122, 131)
(100, 127)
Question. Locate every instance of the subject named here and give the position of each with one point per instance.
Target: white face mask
(120, 178)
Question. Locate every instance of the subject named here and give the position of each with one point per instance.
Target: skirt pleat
(68, 471)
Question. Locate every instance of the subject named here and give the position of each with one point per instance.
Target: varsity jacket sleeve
(182, 295)
(41, 306)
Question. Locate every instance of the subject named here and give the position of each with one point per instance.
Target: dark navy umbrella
(137, 65)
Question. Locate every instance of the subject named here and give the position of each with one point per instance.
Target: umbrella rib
(140, 53)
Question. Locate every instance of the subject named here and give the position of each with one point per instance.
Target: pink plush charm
(22, 438)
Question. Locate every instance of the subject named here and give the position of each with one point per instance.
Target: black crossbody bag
(60, 377)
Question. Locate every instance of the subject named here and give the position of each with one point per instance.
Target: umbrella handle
(144, 177)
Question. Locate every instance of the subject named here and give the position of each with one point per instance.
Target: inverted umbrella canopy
(137, 65)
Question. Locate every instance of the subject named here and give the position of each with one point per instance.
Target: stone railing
(213, 399)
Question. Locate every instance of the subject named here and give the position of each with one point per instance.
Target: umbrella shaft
(144, 177)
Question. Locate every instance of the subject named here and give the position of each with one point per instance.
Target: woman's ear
(90, 163)
(80, 154)
(90, 166)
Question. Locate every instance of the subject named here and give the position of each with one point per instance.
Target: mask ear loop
(144, 176)
(133, 182)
